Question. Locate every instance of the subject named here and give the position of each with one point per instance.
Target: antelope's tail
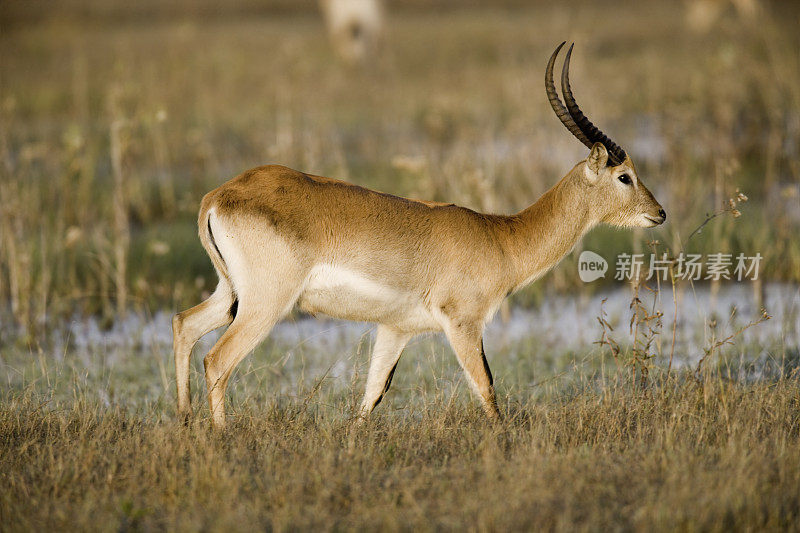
(207, 212)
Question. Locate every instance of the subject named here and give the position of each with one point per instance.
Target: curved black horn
(555, 101)
(615, 154)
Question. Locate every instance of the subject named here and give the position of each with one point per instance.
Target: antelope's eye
(625, 179)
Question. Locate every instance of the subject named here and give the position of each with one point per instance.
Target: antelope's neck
(541, 235)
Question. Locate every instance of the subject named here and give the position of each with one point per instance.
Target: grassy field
(453, 110)
(89, 440)
(679, 412)
(709, 455)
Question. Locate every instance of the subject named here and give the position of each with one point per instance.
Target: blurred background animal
(702, 15)
(355, 28)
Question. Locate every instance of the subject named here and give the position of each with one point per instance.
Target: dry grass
(709, 455)
(89, 440)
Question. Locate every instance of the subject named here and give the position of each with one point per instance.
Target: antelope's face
(618, 197)
(622, 200)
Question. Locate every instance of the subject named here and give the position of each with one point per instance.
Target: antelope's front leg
(389, 344)
(467, 342)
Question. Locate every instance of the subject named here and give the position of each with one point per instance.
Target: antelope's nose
(662, 214)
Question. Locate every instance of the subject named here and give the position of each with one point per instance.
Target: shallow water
(555, 343)
(563, 323)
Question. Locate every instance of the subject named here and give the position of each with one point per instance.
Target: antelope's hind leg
(187, 328)
(255, 317)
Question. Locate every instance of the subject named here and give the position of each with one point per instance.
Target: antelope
(702, 15)
(278, 237)
(355, 28)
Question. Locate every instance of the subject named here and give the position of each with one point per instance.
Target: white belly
(342, 293)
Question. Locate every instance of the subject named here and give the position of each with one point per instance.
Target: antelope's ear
(596, 161)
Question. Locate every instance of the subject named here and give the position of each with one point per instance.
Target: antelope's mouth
(654, 220)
